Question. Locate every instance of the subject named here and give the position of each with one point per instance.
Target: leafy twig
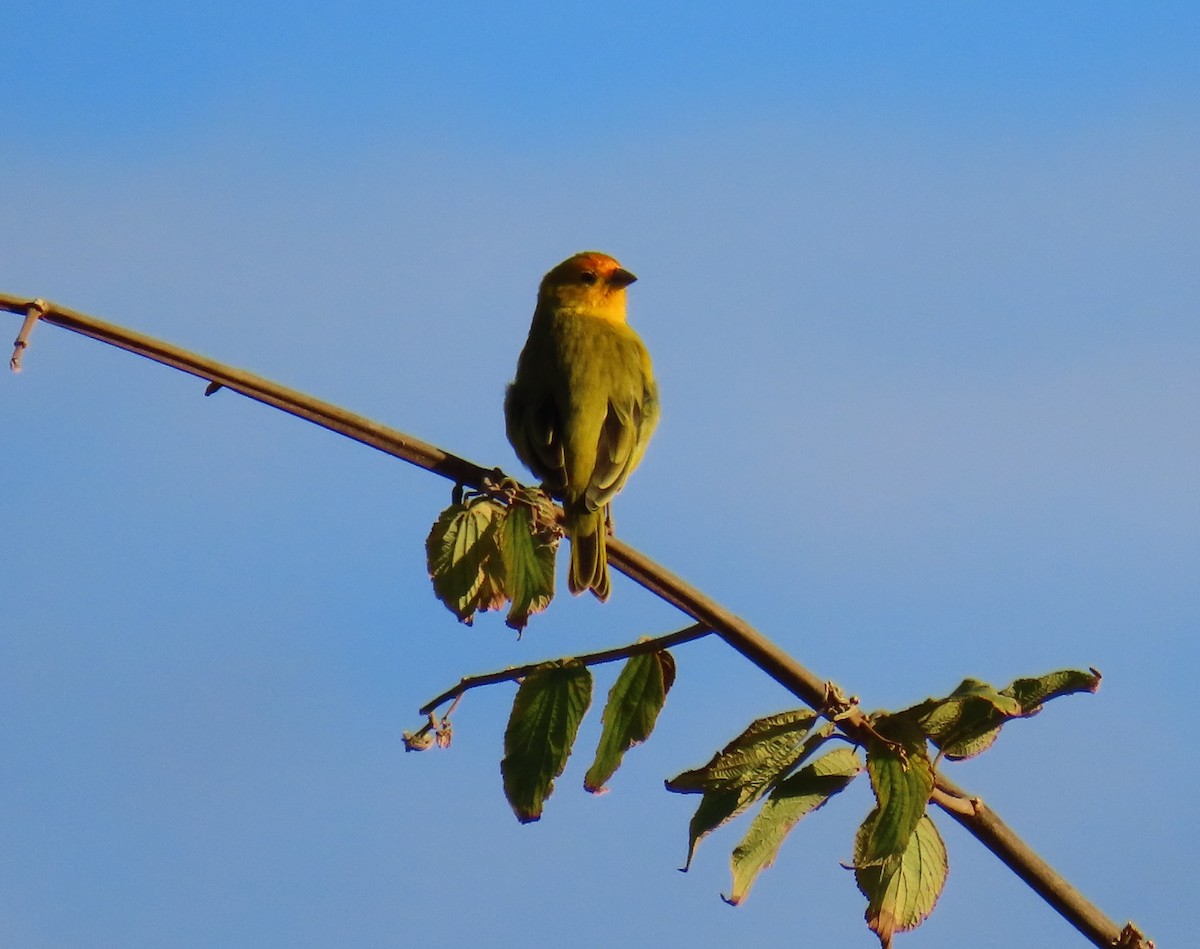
(982, 823)
(696, 631)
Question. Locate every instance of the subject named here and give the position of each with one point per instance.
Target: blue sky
(920, 284)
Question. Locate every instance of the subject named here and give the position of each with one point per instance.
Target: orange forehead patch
(600, 264)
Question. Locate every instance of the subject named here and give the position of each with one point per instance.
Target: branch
(982, 823)
(388, 440)
(696, 631)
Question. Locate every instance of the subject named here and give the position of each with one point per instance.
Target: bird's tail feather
(589, 558)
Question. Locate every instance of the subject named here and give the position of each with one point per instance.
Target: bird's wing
(622, 441)
(540, 432)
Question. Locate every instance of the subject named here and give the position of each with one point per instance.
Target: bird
(584, 403)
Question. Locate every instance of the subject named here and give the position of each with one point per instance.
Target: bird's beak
(621, 278)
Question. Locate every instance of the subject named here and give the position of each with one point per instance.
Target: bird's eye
(587, 277)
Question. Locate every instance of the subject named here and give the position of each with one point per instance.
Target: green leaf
(967, 716)
(902, 778)
(793, 798)
(765, 747)
(528, 555)
(746, 768)
(715, 808)
(947, 715)
(1032, 694)
(971, 742)
(464, 558)
(545, 718)
(902, 890)
(968, 720)
(633, 705)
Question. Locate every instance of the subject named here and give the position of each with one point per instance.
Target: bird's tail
(589, 559)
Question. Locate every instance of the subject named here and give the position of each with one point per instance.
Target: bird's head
(591, 283)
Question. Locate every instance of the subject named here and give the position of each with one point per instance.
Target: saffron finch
(584, 403)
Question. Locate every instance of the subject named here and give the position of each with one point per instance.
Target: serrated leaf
(763, 748)
(633, 705)
(1033, 693)
(528, 557)
(746, 769)
(972, 696)
(463, 557)
(968, 720)
(902, 890)
(793, 798)
(545, 718)
(902, 779)
(967, 717)
(715, 808)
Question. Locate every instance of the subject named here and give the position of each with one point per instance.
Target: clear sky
(920, 283)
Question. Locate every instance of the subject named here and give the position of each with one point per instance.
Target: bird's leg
(608, 520)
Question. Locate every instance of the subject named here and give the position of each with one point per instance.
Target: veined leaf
(767, 746)
(633, 705)
(969, 719)
(714, 809)
(1035, 692)
(463, 557)
(946, 715)
(902, 778)
(902, 890)
(528, 557)
(793, 798)
(545, 718)
(747, 768)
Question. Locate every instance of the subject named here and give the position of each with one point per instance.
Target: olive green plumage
(584, 403)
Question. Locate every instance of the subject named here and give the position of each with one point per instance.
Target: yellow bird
(584, 404)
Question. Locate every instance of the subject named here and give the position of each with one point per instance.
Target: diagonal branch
(968, 810)
(326, 414)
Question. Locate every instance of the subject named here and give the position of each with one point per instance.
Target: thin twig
(33, 312)
(952, 802)
(983, 824)
(697, 631)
